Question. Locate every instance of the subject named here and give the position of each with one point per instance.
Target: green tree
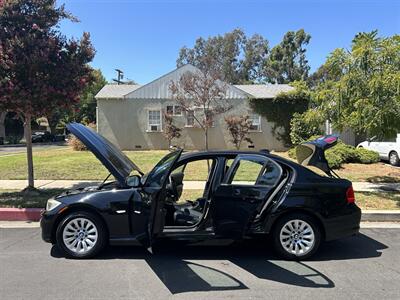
(362, 88)
(238, 58)
(287, 61)
(40, 69)
(281, 109)
(85, 110)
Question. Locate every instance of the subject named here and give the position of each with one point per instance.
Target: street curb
(20, 214)
(380, 216)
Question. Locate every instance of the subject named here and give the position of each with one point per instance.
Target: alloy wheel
(80, 235)
(297, 237)
(393, 159)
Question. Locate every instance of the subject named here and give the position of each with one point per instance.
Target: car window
(252, 170)
(246, 172)
(157, 176)
(270, 174)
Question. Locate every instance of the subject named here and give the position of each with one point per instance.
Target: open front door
(154, 193)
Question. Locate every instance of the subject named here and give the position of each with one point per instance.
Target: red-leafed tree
(239, 128)
(41, 71)
(171, 131)
(203, 95)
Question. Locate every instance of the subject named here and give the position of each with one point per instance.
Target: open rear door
(312, 153)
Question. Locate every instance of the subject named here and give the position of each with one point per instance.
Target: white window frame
(186, 117)
(149, 125)
(258, 125)
(174, 110)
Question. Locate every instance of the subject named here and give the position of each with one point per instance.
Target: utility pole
(120, 75)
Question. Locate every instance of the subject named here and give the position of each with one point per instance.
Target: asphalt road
(363, 267)
(36, 147)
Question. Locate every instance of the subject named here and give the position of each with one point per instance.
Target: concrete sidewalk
(193, 185)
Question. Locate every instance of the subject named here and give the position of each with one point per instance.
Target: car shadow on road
(208, 266)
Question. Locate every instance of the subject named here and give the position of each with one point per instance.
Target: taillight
(350, 195)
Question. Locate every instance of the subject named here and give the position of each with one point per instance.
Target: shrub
(335, 160)
(75, 143)
(342, 153)
(365, 156)
(303, 126)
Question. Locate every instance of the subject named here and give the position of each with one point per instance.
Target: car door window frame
(251, 157)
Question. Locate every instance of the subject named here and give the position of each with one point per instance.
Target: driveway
(363, 267)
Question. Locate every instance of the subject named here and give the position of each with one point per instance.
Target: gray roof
(258, 91)
(112, 91)
(264, 91)
(159, 88)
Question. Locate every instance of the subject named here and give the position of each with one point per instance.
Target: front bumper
(344, 225)
(47, 224)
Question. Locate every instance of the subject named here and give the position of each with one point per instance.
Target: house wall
(124, 122)
(347, 136)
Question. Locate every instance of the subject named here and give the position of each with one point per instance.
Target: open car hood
(117, 163)
(312, 153)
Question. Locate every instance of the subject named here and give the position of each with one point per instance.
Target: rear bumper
(344, 225)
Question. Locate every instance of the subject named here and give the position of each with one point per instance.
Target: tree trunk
(2, 126)
(52, 124)
(28, 138)
(206, 139)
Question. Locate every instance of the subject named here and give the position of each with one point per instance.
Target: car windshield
(156, 176)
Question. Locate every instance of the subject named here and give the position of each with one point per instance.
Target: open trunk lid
(312, 153)
(117, 163)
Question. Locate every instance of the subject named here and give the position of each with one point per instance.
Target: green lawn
(378, 200)
(69, 164)
(83, 165)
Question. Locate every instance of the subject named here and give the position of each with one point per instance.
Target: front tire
(81, 235)
(394, 158)
(296, 237)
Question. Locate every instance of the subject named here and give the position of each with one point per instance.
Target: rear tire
(296, 236)
(394, 158)
(81, 235)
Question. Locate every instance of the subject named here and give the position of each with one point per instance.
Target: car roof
(227, 153)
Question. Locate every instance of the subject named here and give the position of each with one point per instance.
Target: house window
(154, 120)
(255, 122)
(170, 109)
(190, 118)
(177, 110)
(174, 110)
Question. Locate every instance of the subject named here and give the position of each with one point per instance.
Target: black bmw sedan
(298, 208)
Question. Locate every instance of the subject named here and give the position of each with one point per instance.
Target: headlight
(52, 204)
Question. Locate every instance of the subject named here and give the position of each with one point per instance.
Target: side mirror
(134, 181)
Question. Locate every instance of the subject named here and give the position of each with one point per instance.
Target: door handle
(236, 192)
(250, 199)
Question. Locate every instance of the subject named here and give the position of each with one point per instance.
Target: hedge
(342, 153)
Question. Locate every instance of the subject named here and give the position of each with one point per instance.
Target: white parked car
(388, 150)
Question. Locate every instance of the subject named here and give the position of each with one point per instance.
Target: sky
(143, 38)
